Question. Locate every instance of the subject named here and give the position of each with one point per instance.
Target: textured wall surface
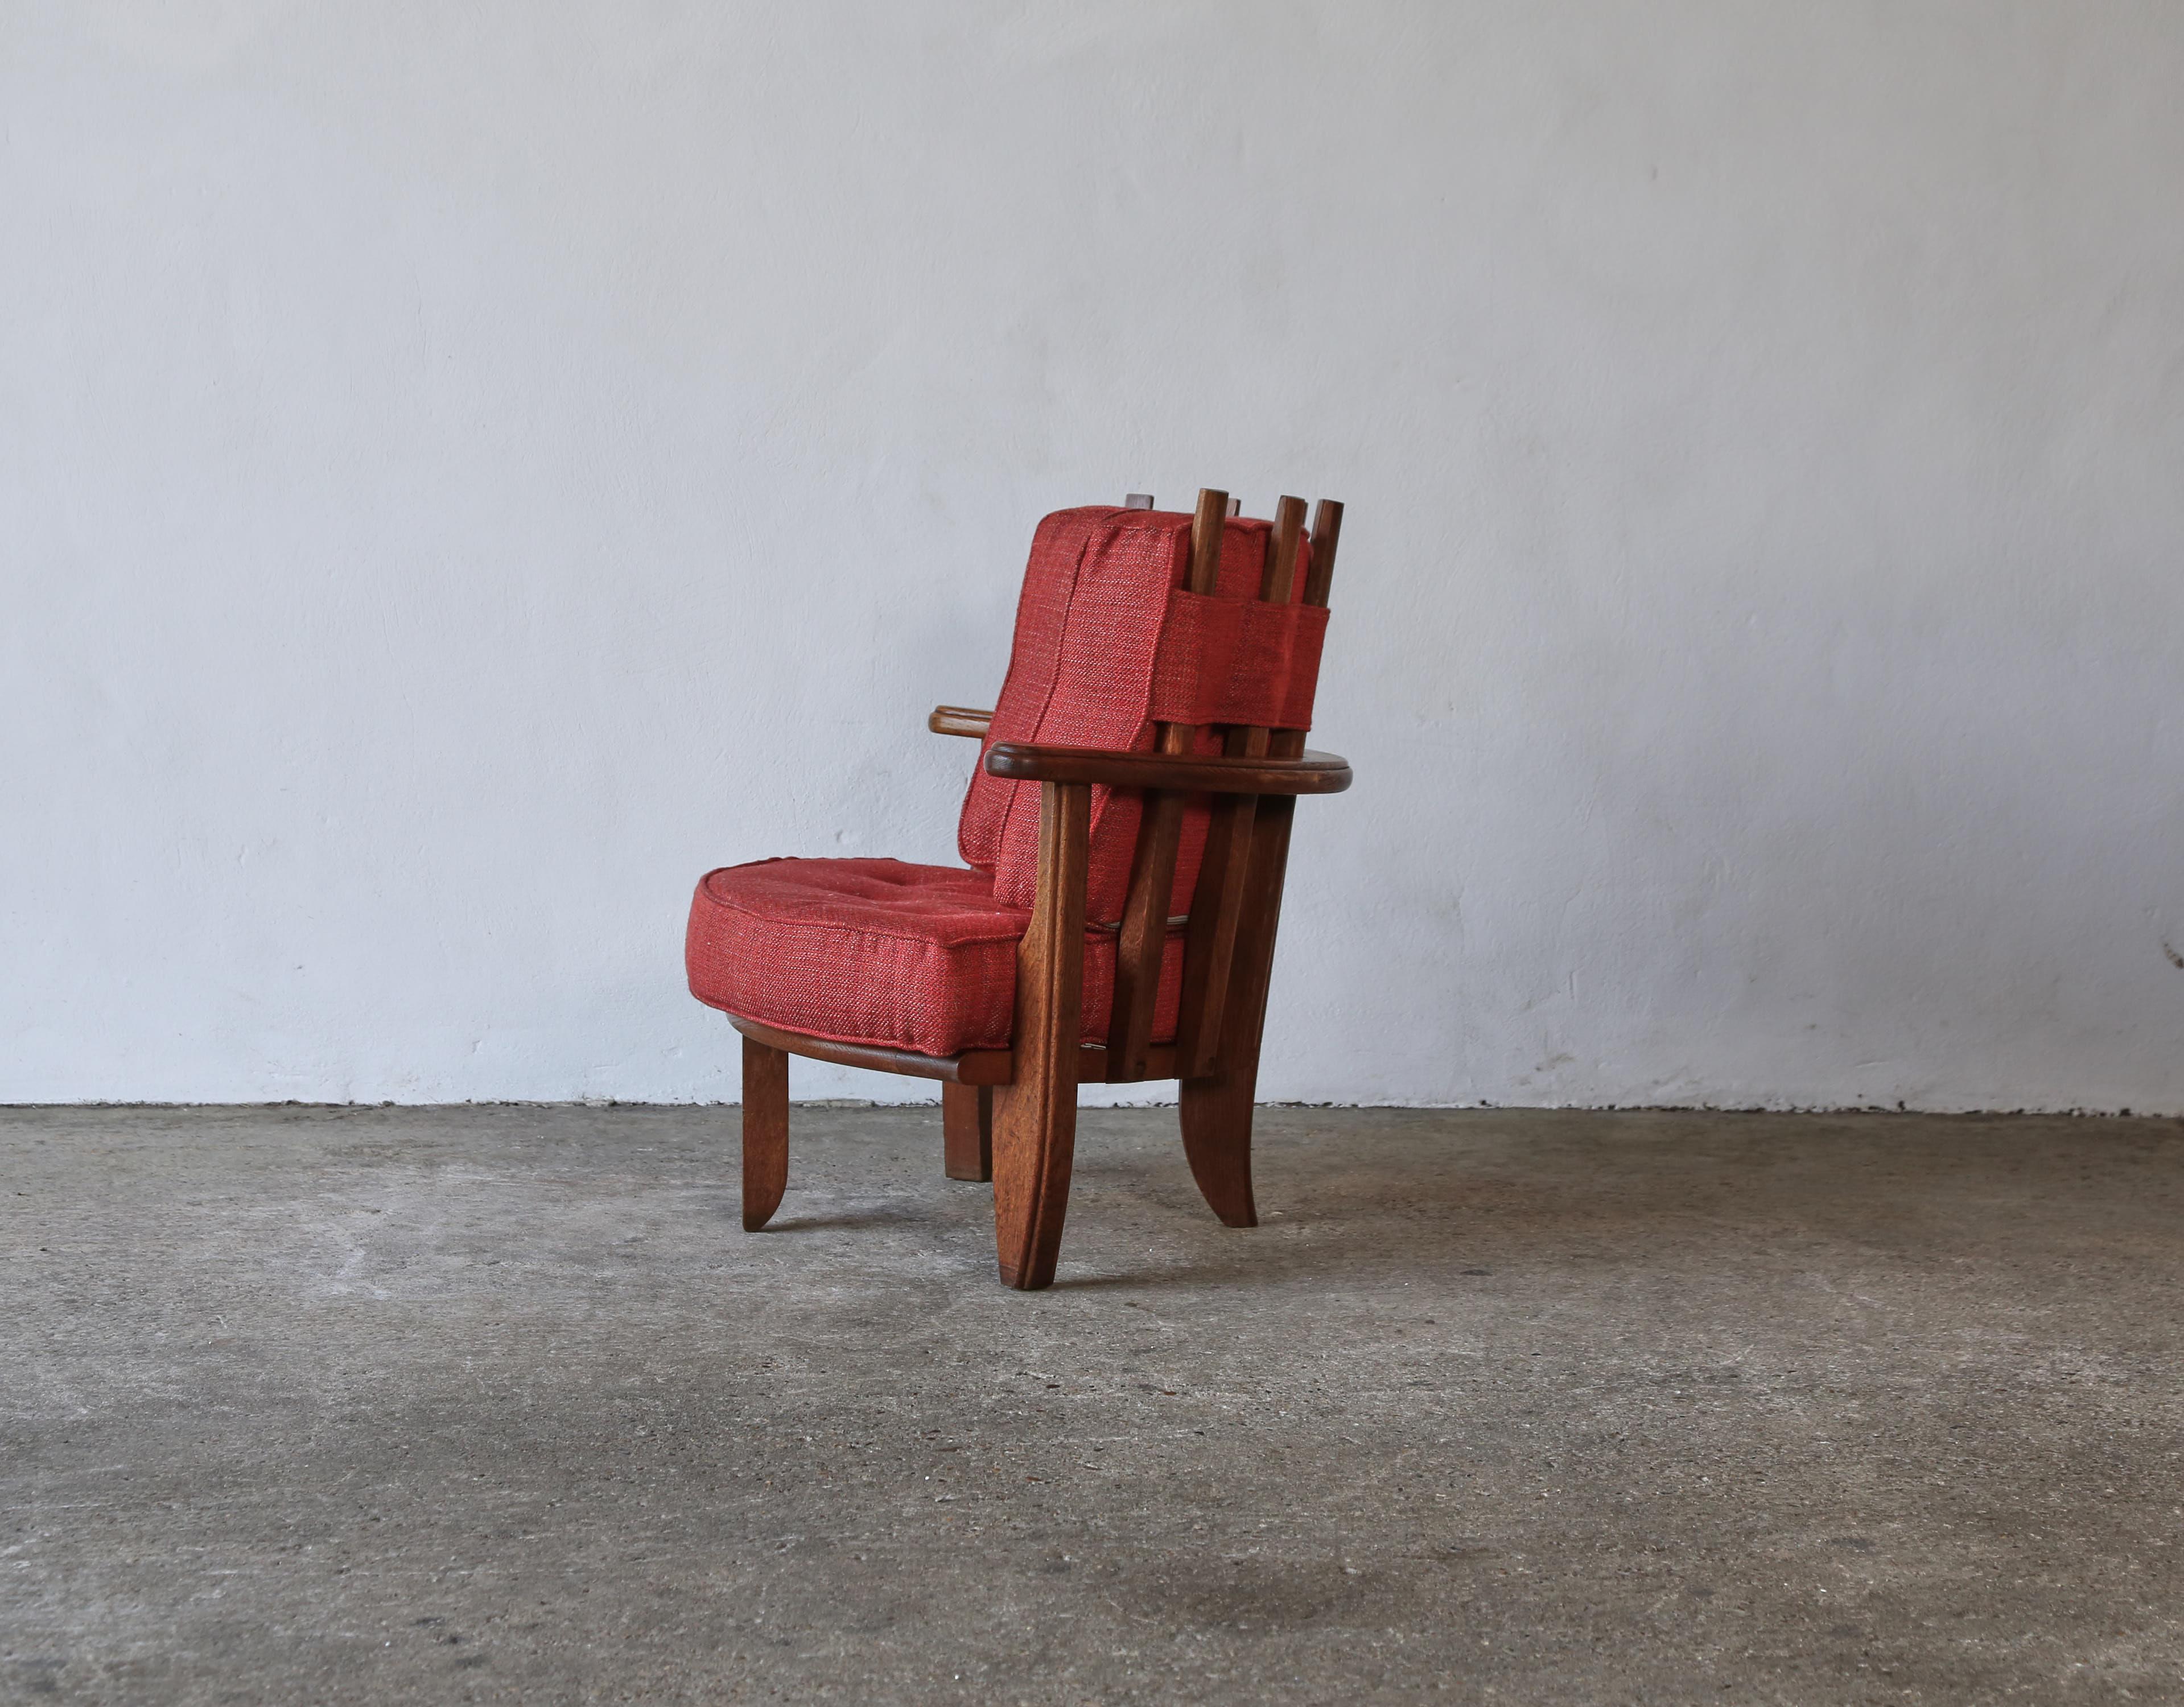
(466, 469)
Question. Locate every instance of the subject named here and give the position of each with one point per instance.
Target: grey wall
(464, 469)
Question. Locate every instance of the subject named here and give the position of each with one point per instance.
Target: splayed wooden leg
(1217, 1141)
(967, 1125)
(1035, 1117)
(1217, 1105)
(766, 1132)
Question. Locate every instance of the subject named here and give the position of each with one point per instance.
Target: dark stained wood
(766, 1131)
(1216, 1106)
(972, 1067)
(1096, 1067)
(1277, 587)
(1216, 905)
(1304, 773)
(959, 719)
(967, 1125)
(1009, 1114)
(1035, 1115)
(981, 1067)
(1143, 938)
(1326, 536)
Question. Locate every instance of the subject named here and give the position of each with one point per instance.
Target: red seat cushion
(1090, 627)
(875, 951)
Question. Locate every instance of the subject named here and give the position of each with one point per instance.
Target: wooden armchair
(1158, 692)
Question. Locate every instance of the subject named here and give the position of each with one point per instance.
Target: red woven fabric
(923, 956)
(1229, 660)
(874, 951)
(1089, 629)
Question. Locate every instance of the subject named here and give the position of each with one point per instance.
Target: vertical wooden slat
(1278, 588)
(1035, 1114)
(1216, 905)
(1217, 1105)
(1144, 933)
(1326, 536)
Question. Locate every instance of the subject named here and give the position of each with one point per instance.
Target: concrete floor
(501, 1404)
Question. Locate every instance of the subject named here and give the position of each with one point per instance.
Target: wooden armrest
(957, 719)
(1314, 773)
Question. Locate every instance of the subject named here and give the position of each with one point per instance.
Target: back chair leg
(967, 1125)
(1217, 1141)
(766, 1131)
(1217, 1106)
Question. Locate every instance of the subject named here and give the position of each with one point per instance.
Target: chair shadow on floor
(851, 1223)
(1676, 1193)
(1454, 1198)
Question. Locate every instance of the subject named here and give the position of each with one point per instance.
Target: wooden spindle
(1217, 905)
(1216, 1108)
(1144, 933)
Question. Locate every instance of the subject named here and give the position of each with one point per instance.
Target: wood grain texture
(971, 1067)
(1035, 1115)
(1215, 1105)
(1011, 1114)
(1298, 773)
(967, 1125)
(1326, 537)
(1143, 938)
(960, 719)
(1216, 905)
(766, 1131)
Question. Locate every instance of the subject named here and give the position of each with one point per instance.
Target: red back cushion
(1090, 627)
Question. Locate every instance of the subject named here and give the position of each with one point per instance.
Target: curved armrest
(957, 719)
(1315, 773)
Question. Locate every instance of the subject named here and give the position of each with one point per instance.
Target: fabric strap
(1237, 661)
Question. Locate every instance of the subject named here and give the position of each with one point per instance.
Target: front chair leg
(1035, 1116)
(766, 1131)
(1035, 1146)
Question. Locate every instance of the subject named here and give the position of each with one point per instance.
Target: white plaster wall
(464, 469)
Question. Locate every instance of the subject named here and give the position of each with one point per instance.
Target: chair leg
(967, 1125)
(766, 1131)
(1217, 1106)
(1035, 1117)
(1217, 1141)
(1034, 1147)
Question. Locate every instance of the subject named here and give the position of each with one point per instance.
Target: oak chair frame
(1010, 1116)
